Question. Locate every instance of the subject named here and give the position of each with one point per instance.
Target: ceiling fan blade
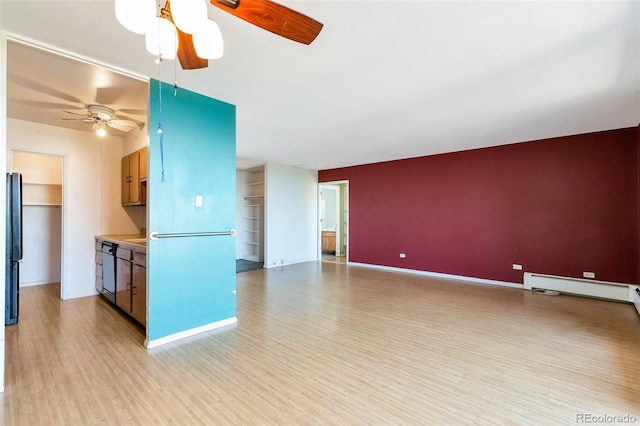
(78, 119)
(107, 95)
(121, 125)
(121, 122)
(75, 113)
(273, 17)
(142, 112)
(39, 87)
(189, 59)
(120, 118)
(46, 105)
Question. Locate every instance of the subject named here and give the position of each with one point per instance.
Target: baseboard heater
(636, 298)
(583, 287)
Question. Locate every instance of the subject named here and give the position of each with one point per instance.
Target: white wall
(42, 244)
(3, 191)
(37, 168)
(241, 181)
(116, 219)
(291, 215)
(91, 194)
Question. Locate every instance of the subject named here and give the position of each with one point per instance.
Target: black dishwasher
(108, 250)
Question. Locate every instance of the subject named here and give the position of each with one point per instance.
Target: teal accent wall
(191, 281)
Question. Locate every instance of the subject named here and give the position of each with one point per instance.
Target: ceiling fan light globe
(100, 128)
(208, 42)
(162, 39)
(135, 15)
(188, 15)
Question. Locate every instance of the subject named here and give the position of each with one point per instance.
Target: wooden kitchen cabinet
(134, 178)
(99, 270)
(143, 163)
(130, 276)
(139, 288)
(123, 279)
(329, 241)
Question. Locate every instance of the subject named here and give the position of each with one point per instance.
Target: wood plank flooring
(327, 343)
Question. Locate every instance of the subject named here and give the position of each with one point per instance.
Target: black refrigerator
(14, 247)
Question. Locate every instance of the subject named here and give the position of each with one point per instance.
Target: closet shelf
(43, 204)
(41, 194)
(42, 183)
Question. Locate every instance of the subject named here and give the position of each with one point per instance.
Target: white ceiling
(384, 79)
(52, 89)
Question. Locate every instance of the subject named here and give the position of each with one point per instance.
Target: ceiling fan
(265, 14)
(103, 117)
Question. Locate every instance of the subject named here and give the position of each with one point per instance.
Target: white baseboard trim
(439, 275)
(290, 263)
(150, 344)
(40, 282)
(88, 293)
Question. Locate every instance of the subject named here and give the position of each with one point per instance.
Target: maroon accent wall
(558, 206)
(638, 191)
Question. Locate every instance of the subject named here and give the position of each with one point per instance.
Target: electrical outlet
(517, 267)
(589, 274)
(403, 256)
(198, 200)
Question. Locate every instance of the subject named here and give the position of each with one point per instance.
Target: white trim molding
(276, 265)
(472, 280)
(150, 344)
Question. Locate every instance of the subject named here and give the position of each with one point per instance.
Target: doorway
(334, 219)
(42, 211)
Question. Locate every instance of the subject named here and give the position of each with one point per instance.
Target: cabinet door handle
(128, 287)
(134, 290)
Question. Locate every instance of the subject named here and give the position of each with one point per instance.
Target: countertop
(125, 240)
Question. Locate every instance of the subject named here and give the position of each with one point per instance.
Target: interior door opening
(42, 217)
(334, 219)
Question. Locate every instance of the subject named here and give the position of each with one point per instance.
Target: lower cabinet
(131, 281)
(123, 278)
(99, 285)
(139, 288)
(329, 240)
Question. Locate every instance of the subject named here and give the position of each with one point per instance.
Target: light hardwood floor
(327, 343)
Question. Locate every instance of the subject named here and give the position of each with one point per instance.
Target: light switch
(198, 200)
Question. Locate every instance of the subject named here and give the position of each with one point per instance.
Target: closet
(41, 215)
(252, 228)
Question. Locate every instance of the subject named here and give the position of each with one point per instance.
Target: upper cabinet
(134, 178)
(143, 164)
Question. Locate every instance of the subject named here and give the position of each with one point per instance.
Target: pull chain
(160, 129)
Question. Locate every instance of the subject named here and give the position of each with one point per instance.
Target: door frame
(340, 225)
(63, 207)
